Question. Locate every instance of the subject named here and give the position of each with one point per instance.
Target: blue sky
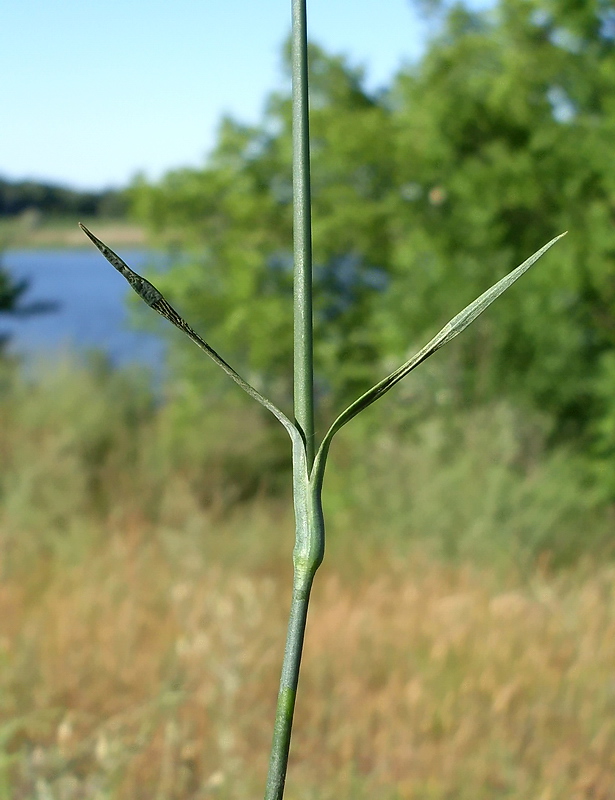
(92, 92)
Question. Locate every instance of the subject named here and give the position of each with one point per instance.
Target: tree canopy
(424, 194)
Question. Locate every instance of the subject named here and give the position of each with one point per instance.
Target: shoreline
(64, 233)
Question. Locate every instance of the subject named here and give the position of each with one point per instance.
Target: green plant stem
(309, 541)
(280, 747)
(307, 479)
(302, 227)
(308, 472)
(307, 557)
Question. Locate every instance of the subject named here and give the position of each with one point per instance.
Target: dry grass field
(145, 587)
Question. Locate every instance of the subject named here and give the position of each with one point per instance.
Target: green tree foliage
(498, 139)
(11, 296)
(511, 113)
(11, 293)
(238, 209)
(19, 196)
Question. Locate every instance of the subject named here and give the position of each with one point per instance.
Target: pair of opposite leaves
(460, 322)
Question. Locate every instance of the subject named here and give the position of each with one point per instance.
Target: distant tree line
(19, 196)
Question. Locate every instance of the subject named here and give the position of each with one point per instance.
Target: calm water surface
(92, 309)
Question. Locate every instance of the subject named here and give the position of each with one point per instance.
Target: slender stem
(280, 747)
(309, 542)
(307, 557)
(304, 360)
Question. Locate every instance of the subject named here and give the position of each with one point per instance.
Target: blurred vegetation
(11, 292)
(11, 300)
(461, 643)
(424, 193)
(34, 214)
(464, 616)
(17, 197)
(83, 443)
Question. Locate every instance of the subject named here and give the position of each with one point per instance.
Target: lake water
(92, 310)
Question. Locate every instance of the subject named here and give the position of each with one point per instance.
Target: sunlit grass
(462, 638)
(134, 676)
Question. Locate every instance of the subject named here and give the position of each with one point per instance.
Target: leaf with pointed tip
(154, 299)
(452, 329)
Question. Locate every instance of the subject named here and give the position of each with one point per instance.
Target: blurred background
(462, 639)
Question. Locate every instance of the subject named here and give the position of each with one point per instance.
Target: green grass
(82, 443)
(461, 637)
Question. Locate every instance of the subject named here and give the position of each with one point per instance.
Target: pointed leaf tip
(452, 329)
(461, 321)
(154, 299)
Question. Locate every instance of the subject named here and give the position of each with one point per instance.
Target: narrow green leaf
(471, 312)
(154, 299)
(452, 329)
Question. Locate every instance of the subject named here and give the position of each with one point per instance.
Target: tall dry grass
(130, 677)
(146, 585)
